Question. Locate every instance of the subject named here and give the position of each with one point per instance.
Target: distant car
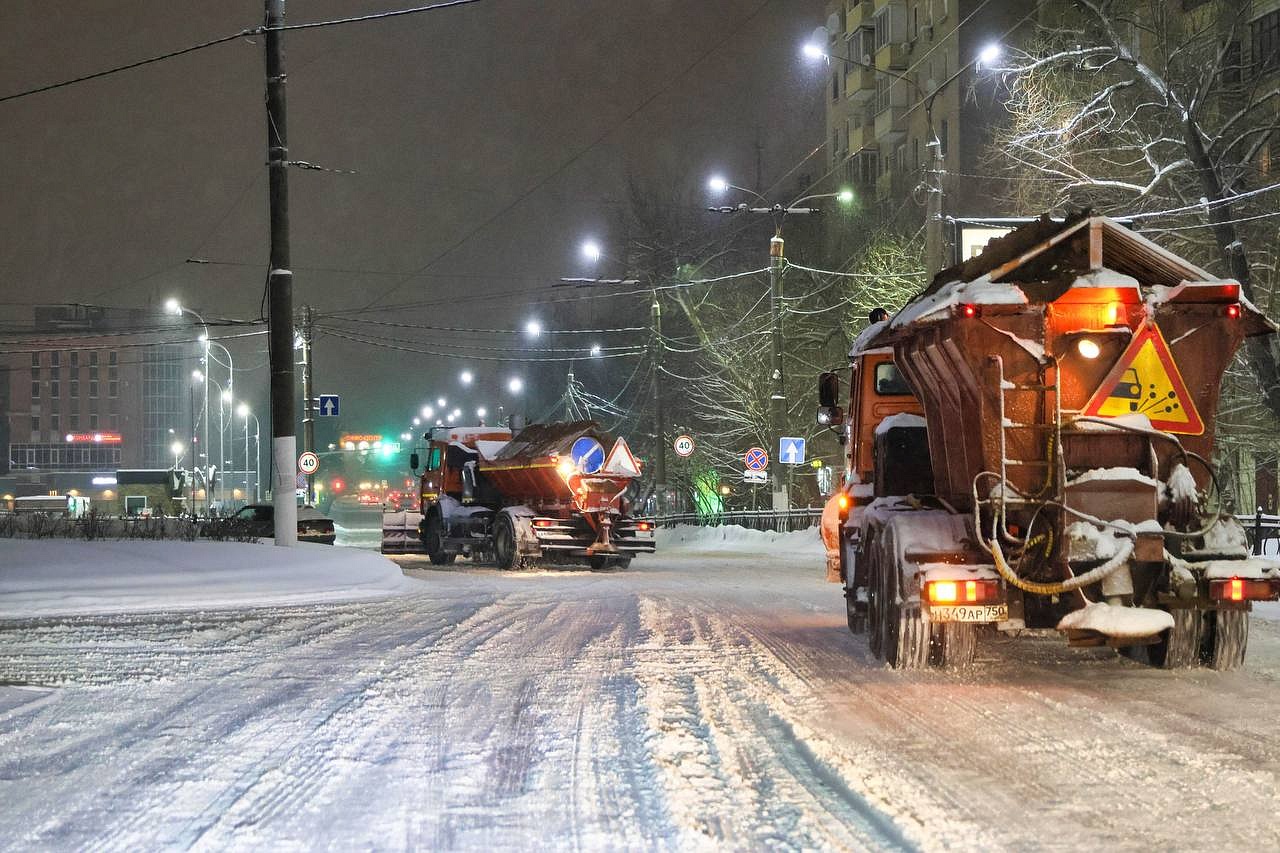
(313, 526)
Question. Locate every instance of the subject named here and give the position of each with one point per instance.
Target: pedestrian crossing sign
(1146, 381)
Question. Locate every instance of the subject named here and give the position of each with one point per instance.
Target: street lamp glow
(440, 403)
(465, 377)
(226, 395)
(591, 250)
(845, 196)
(243, 410)
(990, 54)
(176, 448)
(197, 376)
(455, 414)
(533, 328)
(595, 350)
(516, 385)
(173, 306)
(718, 184)
(813, 51)
(427, 412)
(480, 413)
(204, 338)
(417, 422)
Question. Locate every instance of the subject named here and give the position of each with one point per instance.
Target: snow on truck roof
(1038, 262)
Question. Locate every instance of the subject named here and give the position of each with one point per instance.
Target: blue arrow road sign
(791, 450)
(328, 405)
(588, 455)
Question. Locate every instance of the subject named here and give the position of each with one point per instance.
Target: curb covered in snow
(738, 539)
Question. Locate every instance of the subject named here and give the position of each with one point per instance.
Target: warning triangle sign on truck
(621, 462)
(1146, 381)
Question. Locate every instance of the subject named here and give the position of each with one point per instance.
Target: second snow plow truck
(1029, 445)
(549, 492)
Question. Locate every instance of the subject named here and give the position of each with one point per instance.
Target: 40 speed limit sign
(683, 446)
(308, 463)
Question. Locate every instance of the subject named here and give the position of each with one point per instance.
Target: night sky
(487, 141)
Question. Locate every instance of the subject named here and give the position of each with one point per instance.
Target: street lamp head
(226, 395)
(591, 250)
(717, 184)
(516, 385)
(243, 410)
(990, 54)
(204, 339)
(481, 412)
(173, 306)
(845, 196)
(465, 377)
(595, 350)
(813, 51)
(197, 376)
(533, 328)
(440, 403)
(417, 422)
(176, 448)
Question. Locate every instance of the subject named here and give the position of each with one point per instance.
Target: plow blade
(400, 533)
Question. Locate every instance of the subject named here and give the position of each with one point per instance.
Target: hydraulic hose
(1058, 587)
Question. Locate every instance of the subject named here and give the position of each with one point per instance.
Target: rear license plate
(970, 613)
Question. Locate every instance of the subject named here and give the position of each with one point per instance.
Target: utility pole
(308, 398)
(777, 396)
(284, 445)
(934, 243)
(659, 412)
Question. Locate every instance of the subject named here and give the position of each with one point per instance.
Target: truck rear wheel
(904, 635)
(504, 542)
(433, 541)
(1179, 647)
(953, 644)
(1228, 635)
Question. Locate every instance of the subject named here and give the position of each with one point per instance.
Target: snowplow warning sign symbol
(1146, 381)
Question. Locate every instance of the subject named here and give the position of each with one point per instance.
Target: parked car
(313, 526)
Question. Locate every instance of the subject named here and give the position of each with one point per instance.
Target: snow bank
(734, 538)
(1117, 621)
(1105, 278)
(980, 291)
(48, 577)
(1121, 473)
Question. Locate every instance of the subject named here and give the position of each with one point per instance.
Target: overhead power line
(252, 31)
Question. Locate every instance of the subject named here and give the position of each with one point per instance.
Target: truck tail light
(644, 525)
(969, 311)
(977, 591)
(544, 522)
(1232, 311)
(1244, 589)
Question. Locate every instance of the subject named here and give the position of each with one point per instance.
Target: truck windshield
(889, 381)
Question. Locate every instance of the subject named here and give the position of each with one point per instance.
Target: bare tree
(1137, 107)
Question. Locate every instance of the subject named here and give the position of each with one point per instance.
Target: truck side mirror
(829, 413)
(413, 462)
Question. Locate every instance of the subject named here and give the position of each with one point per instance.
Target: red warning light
(969, 310)
(1232, 310)
(338, 485)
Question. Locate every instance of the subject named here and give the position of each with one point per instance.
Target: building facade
(87, 392)
(904, 76)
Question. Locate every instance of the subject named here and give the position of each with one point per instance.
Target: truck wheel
(504, 542)
(433, 541)
(875, 605)
(905, 634)
(854, 615)
(953, 644)
(1228, 635)
(1179, 647)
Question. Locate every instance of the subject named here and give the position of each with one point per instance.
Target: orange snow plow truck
(1028, 445)
(547, 493)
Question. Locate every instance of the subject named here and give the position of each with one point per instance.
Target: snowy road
(697, 701)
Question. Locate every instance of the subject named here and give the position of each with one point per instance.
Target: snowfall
(238, 696)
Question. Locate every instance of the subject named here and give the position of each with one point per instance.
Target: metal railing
(1261, 528)
(753, 519)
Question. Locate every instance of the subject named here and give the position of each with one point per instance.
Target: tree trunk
(1258, 348)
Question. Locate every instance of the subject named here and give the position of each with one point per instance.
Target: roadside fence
(752, 519)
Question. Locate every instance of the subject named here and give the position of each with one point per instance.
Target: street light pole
(778, 394)
(284, 445)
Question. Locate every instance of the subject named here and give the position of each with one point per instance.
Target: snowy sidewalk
(52, 577)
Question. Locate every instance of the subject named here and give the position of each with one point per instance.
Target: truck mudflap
(400, 533)
(575, 537)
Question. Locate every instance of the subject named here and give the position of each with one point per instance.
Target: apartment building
(902, 73)
(87, 392)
